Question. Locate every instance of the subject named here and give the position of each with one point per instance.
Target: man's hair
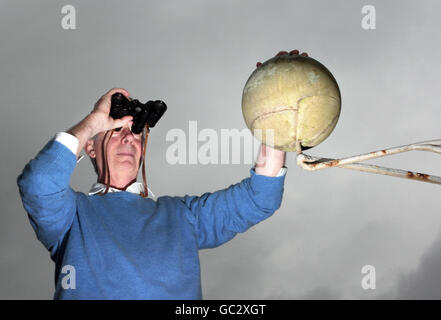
(93, 160)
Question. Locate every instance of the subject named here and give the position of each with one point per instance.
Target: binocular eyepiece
(149, 112)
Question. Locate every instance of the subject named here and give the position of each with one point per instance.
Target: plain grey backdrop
(196, 56)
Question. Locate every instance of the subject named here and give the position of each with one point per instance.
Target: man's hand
(270, 160)
(99, 120)
(292, 52)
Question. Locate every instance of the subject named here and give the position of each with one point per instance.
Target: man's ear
(90, 148)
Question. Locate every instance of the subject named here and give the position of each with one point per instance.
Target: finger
(258, 64)
(122, 122)
(304, 54)
(106, 98)
(294, 52)
(281, 53)
(129, 123)
(115, 90)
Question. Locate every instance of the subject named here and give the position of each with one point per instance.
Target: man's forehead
(102, 134)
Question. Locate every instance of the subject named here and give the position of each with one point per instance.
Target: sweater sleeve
(46, 194)
(220, 215)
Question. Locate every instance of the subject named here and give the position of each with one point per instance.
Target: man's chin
(126, 164)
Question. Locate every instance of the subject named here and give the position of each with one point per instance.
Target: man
(123, 246)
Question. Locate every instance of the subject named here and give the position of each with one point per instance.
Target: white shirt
(135, 187)
(71, 142)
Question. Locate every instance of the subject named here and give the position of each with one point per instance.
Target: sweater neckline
(122, 194)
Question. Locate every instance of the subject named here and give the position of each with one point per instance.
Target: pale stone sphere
(295, 96)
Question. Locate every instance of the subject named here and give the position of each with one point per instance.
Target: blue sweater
(123, 246)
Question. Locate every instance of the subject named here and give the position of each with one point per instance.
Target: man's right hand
(99, 118)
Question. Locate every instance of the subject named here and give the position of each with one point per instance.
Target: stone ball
(295, 96)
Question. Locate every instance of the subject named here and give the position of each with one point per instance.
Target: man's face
(123, 154)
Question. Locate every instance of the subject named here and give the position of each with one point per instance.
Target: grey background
(197, 56)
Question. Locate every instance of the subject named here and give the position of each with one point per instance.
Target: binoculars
(149, 112)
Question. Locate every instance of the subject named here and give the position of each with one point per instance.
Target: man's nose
(127, 134)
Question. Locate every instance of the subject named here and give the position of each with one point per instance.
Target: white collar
(135, 187)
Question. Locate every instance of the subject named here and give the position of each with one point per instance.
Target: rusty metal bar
(312, 163)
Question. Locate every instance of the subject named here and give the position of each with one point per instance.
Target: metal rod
(312, 163)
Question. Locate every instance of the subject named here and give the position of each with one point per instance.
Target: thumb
(122, 122)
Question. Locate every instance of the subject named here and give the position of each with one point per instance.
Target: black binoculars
(149, 112)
